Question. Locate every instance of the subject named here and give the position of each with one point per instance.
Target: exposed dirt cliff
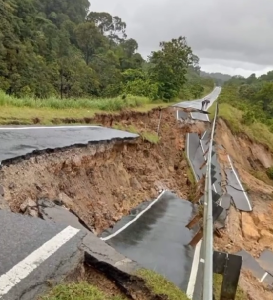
(253, 231)
(102, 182)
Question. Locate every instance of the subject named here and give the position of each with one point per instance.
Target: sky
(229, 36)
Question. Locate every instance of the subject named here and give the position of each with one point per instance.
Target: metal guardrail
(208, 222)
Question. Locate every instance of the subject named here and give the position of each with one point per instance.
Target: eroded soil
(253, 231)
(102, 182)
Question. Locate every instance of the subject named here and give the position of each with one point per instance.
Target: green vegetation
(217, 281)
(193, 186)
(269, 173)
(159, 285)
(151, 137)
(59, 55)
(85, 291)
(78, 291)
(102, 104)
(191, 178)
(246, 104)
(218, 78)
(211, 110)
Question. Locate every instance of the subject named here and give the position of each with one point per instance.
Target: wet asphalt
(158, 240)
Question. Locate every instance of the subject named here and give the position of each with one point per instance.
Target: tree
(89, 39)
(60, 48)
(266, 96)
(251, 79)
(169, 67)
(103, 20)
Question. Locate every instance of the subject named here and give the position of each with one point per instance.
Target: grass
(190, 174)
(261, 175)
(257, 131)
(211, 110)
(25, 110)
(191, 177)
(78, 291)
(85, 291)
(217, 281)
(151, 137)
(106, 104)
(159, 285)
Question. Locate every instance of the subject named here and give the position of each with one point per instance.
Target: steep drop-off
(102, 182)
(253, 231)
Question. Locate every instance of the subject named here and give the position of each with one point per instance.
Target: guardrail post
(229, 266)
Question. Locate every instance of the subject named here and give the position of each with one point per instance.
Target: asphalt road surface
(20, 141)
(197, 104)
(256, 266)
(32, 252)
(266, 261)
(236, 190)
(158, 239)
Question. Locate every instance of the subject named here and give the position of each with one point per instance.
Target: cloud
(219, 31)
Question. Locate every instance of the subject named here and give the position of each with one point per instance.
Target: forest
(60, 48)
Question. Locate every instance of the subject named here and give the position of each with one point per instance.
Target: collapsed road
(158, 239)
(41, 251)
(20, 142)
(197, 104)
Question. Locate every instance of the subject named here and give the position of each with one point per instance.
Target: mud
(253, 231)
(102, 182)
(112, 281)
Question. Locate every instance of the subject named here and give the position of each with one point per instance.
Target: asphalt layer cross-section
(158, 239)
(19, 141)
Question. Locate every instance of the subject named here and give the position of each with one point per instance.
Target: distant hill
(219, 78)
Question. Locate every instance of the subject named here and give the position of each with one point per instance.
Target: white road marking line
(34, 260)
(202, 260)
(250, 207)
(48, 127)
(264, 276)
(132, 221)
(194, 271)
(203, 135)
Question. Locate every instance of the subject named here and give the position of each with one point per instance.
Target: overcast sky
(229, 36)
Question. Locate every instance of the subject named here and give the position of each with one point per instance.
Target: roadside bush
(140, 87)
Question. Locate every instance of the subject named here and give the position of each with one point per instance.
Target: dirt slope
(250, 231)
(102, 182)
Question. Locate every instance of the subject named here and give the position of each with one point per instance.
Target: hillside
(219, 78)
(245, 133)
(62, 49)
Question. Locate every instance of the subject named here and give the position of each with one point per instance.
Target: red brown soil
(102, 182)
(253, 231)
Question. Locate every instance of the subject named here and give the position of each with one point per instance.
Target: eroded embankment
(102, 182)
(253, 231)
